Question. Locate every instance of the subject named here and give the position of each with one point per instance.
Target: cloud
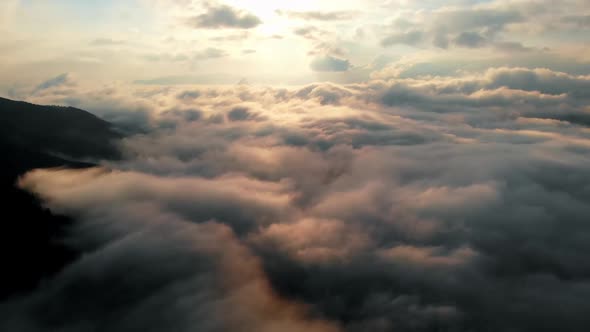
(223, 16)
(206, 54)
(491, 20)
(314, 240)
(210, 53)
(330, 63)
(60, 80)
(418, 256)
(240, 114)
(581, 21)
(188, 95)
(309, 32)
(468, 27)
(150, 274)
(410, 203)
(410, 37)
(512, 47)
(470, 39)
(357, 34)
(319, 16)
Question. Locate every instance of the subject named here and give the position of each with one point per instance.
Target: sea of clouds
(401, 204)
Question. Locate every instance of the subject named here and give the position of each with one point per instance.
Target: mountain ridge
(36, 136)
(65, 130)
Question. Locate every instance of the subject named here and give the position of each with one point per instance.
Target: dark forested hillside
(64, 130)
(33, 136)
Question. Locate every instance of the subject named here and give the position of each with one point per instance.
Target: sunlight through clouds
(282, 166)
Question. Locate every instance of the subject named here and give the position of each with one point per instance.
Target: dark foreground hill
(33, 136)
(54, 129)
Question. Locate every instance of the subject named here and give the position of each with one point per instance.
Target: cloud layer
(454, 203)
(437, 180)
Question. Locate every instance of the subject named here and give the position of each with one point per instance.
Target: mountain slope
(66, 130)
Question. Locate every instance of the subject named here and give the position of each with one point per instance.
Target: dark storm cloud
(407, 204)
(223, 16)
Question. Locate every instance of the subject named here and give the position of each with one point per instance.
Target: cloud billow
(464, 27)
(330, 63)
(223, 16)
(411, 204)
(60, 80)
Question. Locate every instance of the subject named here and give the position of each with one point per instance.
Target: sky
(322, 166)
(284, 43)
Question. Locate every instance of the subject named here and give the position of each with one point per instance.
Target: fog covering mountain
(412, 205)
(33, 136)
